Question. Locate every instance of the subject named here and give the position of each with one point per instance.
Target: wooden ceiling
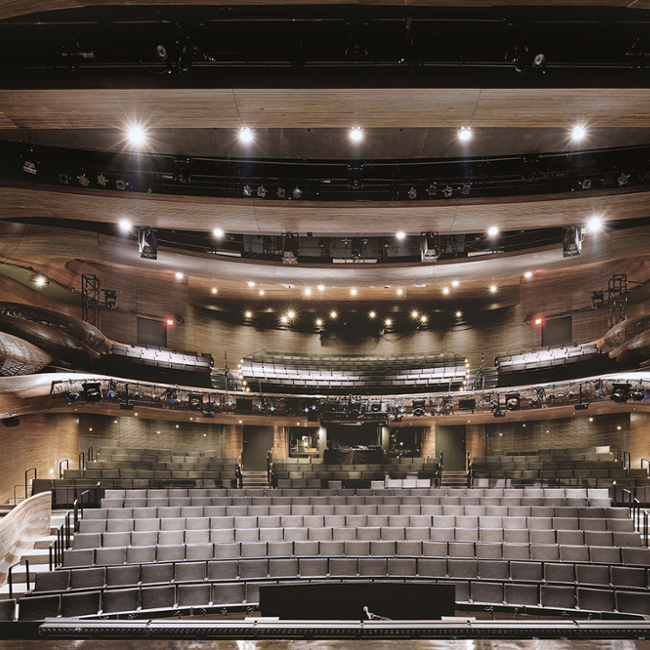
(325, 108)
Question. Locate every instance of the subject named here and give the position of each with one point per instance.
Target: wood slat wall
(639, 438)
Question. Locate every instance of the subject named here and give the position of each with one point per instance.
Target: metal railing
(20, 485)
(645, 460)
(626, 460)
(269, 465)
(78, 509)
(24, 561)
(27, 471)
(62, 542)
(67, 466)
(82, 461)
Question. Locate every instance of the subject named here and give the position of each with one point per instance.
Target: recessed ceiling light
(528, 274)
(284, 319)
(356, 134)
(137, 135)
(218, 233)
(400, 235)
(578, 133)
(249, 314)
(459, 314)
(291, 313)
(445, 291)
(353, 292)
(414, 314)
(245, 135)
(493, 288)
(388, 322)
(493, 231)
(307, 291)
(125, 225)
(372, 314)
(251, 284)
(333, 314)
(319, 322)
(465, 133)
(261, 292)
(423, 318)
(400, 292)
(40, 281)
(214, 289)
(321, 287)
(455, 283)
(179, 275)
(595, 224)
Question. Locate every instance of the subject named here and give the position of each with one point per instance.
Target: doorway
(257, 442)
(451, 441)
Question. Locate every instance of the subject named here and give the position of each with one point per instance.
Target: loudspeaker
(11, 422)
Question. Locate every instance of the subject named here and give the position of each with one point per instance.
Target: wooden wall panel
(639, 438)
(281, 442)
(612, 429)
(40, 441)
(234, 434)
(136, 432)
(475, 440)
(429, 441)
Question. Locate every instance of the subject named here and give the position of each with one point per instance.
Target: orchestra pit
(324, 322)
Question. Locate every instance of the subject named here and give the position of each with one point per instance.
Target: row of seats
(155, 474)
(288, 463)
(177, 534)
(164, 358)
(514, 462)
(104, 556)
(137, 451)
(545, 358)
(131, 575)
(549, 474)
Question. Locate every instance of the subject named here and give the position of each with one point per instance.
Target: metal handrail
(67, 466)
(645, 460)
(27, 471)
(63, 540)
(15, 497)
(627, 459)
(78, 508)
(24, 561)
(82, 461)
(91, 453)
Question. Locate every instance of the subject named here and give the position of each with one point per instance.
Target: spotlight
(218, 233)
(73, 396)
(261, 191)
(620, 393)
(623, 179)
(498, 413)
(63, 179)
(448, 191)
(429, 248)
(102, 181)
(465, 133)
(161, 52)
(638, 394)
(512, 401)
(245, 135)
(412, 193)
(110, 299)
(208, 413)
(572, 241)
(356, 134)
(297, 192)
(280, 192)
(539, 61)
(418, 408)
(124, 225)
(126, 406)
(138, 394)
(586, 184)
(578, 133)
(247, 190)
(111, 393)
(195, 401)
(595, 224)
(432, 189)
(120, 185)
(493, 231)
(40, 281)
(401, 235)
(597, 299)
(92, 392)
(29, 168)
(581, 406)
(136, 135)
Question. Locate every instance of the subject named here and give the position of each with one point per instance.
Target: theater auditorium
(325, 321)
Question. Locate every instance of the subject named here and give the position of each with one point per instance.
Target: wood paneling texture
(429, 441)
(138, 433)
(475, 440)
(322, 218)
(576, 431)
(234, 434)
(284, 108)
(40, 441)
(639, 438)
(281, 442)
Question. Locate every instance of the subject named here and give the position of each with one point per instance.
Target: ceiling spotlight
(248, 314)
(214, 289)
(465, 133)
(321, 287)
(493, 288)
(400, 235)
(137, 135)
(319, 322)
(493, 231)
(448, 191)
(247, 190)
(623, 179)
(179, 275)
(412, 193)
(307, 291)
(423, 319)
(297, 192)
(353, 292)
(372, 314)
(40, 281)
(261, 292)
(125, 225)
(245, 135)
(578, 133)
(356, 134)
(102, 181)
(280, 192)
(218, 233)
(432, 189)
(414, 314)
(595, 224)
(161, 52)
(400, 292)
(445, 291)
(251, 284)
(528, 274)
(84, 181)
(586, 184)
(333, 314)
(620, 393)
(291, 314)
(284, 320)
(388, 322)
(539, 61)
(455, 283)
(261, 191)
(459, 314)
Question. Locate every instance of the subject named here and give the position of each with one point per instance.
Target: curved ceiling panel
(17, 357)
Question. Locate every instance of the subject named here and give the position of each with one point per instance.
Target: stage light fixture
(110, 299)
(280, 192)
(297, 192)
(512, 401)
(572, 241)
(92, 392)
(638, 394)
(623, 179)
(620, 393)
(429, 248)
(261, 191)
(247, 190)
(29, 168)
(218, 233)
(102, 181)
(448, 191)
(418, 408)
(465, 133)
(245, 135)
(64, 179)
(195, 401)
(493, 231)
(356, 134)
(597, 299)
(120, 185)
(73, 396)
(433, 188)
(578, 133)
(148, 244)
(412, 193)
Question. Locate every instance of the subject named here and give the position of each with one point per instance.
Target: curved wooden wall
(21, 528)
(17, 357)
(256, 216)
